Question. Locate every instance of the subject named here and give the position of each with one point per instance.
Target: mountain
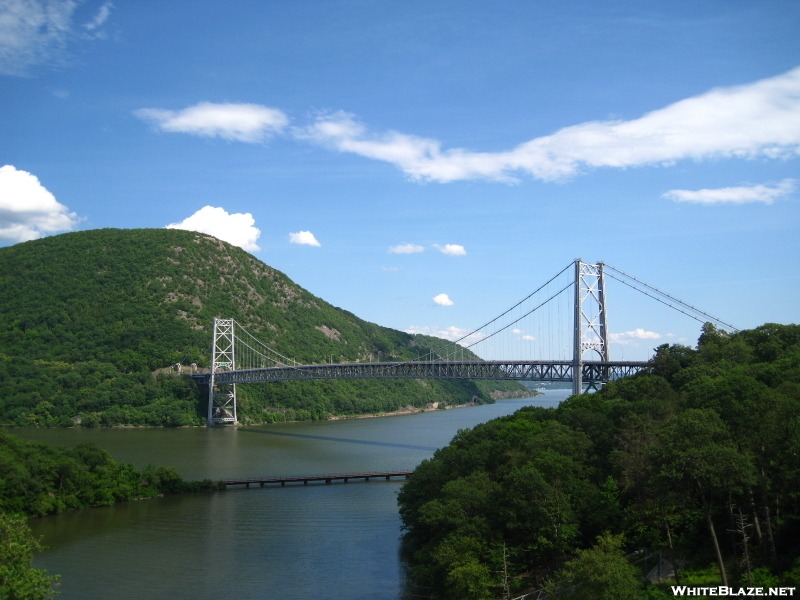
(91, 321)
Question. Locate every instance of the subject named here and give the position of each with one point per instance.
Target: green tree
(696, 454)
(19, 580)
(602, 573)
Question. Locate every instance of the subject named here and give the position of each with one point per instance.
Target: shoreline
(395, 413)
(411, 411)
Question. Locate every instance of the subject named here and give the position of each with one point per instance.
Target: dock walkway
(305, 479)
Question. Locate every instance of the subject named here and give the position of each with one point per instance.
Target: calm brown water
(336, 541)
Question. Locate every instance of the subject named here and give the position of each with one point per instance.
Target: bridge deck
(516, 370)
(262, 481)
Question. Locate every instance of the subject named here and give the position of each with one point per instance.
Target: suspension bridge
(577, 294)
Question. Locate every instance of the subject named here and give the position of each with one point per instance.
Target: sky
(425, 165)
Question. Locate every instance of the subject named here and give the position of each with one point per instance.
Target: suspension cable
(264, 346)
(437, 353)
(474, 331)
(681, 302)
(558, 293)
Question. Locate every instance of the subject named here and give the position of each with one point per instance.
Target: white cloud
(443, 300)
(628, 337)
(304, 237)
(101, 17)
(760, 119)
(451, 333)
(27, 210)
(406, 249)
(36, 32)
(519, 332)
(237, 228)
(735, 195)
(237, 122)
(451, 249)
(391, 269)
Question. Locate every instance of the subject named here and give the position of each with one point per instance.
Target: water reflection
(338, 439)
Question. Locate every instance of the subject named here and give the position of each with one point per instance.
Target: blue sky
(393, 153)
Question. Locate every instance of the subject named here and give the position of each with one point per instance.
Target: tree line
(39, 479)
(698, 457)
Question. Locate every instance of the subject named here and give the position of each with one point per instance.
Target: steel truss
(589, 327)
(221, 393)
(594, 373)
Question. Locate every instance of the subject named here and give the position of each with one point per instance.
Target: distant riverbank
(410, 410)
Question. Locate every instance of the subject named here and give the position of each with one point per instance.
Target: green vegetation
(698, 457)
(601, 573)
(40, 479)
(92, 394)
(304, 400)
(19, 580)
(92, 321)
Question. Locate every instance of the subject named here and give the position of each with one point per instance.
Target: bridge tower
(222, 398)
(590, 331)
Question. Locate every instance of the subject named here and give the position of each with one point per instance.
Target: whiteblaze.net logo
(726, 591)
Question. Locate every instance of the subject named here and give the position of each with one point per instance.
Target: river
(338, 541)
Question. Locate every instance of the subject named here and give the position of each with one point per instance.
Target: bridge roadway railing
(517, 370)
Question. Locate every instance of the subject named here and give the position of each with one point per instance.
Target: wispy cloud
(451, 333)
(304, 237)
(27, 209)
(760, 119)
(628, 337)
(451, 249)
(37, 32)
(237, 228)
(406, 249)
(100, 17)
(236, 122)
(519, 332)
(392, 269)
(735, 195)
(443, 300)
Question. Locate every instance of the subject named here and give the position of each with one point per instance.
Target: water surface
(337, 541)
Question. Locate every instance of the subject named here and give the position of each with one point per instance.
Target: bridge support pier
(222, 398)
(590, 330)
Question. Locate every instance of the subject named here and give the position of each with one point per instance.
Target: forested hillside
(88, 318)
(698, 457)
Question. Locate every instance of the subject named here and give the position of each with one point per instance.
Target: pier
(306, 479)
